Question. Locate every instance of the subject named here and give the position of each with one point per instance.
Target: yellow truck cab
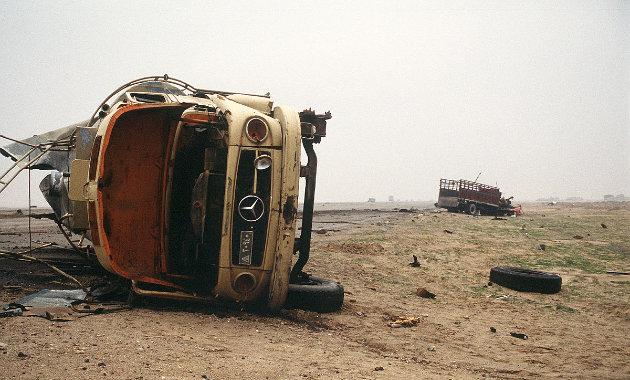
(193, 194)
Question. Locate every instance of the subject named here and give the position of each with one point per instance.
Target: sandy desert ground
(581, 332)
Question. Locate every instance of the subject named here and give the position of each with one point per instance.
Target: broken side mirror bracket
(307, 211)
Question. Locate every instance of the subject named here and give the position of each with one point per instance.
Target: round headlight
(256, 130)
(244, 283)
(262, 162)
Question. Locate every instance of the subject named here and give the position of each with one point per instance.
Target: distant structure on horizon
(615, 198)
(390, 198)
(371, 200)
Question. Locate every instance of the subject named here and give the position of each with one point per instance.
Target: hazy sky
(535, 95)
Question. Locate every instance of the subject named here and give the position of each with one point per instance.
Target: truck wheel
(315, 294)
(526, 280)
(471, 209)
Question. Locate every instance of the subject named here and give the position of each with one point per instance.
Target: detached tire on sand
(526, 280)
(315, 294)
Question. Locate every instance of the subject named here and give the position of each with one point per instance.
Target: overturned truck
(191, 193)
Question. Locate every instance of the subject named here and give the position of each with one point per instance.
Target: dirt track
(580, 332)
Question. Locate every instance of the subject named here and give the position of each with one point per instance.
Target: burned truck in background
(473, 198)
(191, 193)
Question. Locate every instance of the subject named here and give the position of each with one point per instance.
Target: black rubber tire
(471, 209)
(526, 280)
(315, 294)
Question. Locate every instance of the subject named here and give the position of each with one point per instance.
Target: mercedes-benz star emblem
(251, 208)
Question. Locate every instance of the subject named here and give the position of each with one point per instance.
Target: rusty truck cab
(195, 195)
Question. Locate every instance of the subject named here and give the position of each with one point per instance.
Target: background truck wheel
(471, 209)
(526, 280)
(315, 294)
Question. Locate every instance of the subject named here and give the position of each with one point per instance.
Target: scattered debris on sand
(519, 335)
(424, 293)
(415, 263)
(404, 322)
(616, 273)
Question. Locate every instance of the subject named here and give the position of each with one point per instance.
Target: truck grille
(250, 236)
